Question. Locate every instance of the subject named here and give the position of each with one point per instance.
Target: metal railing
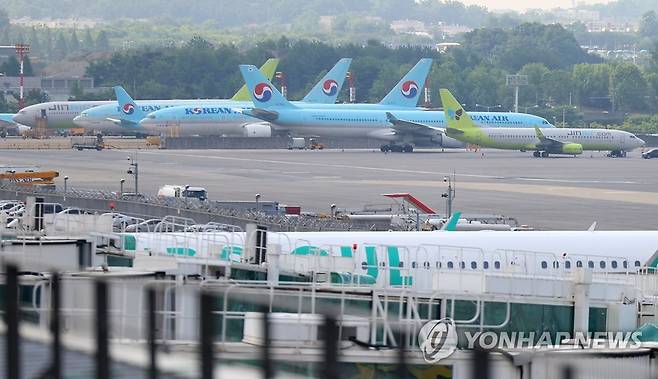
(237, 216)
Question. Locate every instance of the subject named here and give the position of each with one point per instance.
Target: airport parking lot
(553, 193)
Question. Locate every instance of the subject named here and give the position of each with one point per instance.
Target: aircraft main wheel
(544, 154)
(408, 149)
(536, 154)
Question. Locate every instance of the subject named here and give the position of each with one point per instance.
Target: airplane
(411, 258)
(404, 95)
(401, 129)
(7, 125)
(569, 141)
(125, 113)
(219, 117)
(61, 114)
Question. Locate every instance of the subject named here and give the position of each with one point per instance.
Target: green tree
(102, 42)
(649, 25)
(74, 42)
(627, 87)
(591, 84)
(558, 87)
(88, 41)
(536, 73)
(61, 48)
(11, 67)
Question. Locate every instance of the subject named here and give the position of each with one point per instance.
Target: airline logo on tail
(330, 87)
(409, 89)
(455, 115)
(263, 92)
(128, 108)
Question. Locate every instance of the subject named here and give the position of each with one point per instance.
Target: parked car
(653, 153)
(144, 226)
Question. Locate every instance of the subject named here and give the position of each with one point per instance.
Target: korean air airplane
(125, 115)
(195, 119)
(568, 141)
(401, 129)
(61, 114)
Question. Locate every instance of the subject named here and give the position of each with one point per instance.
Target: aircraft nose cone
(81, 120)
(21, 118)
(641, 142)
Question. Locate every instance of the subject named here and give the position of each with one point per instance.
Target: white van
(189, 192)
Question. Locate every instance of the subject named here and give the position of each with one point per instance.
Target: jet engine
(262, 129)
(572, 148)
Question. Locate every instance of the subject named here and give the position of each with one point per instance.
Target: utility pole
(282, 80)
(134, 171)
(449, 195)
(350, 82)
(516, 81)
(22, 50)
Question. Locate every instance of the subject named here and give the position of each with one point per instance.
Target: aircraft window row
(497, 265)
(592, 264)
(450, 264)
(347, 119)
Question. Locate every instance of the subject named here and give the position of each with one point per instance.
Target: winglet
(262, 92)
(129, 111)
(451, 224)
(410, 88)
(327, 89)
(268, 69)
(592, 227)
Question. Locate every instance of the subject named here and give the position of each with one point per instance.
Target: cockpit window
(632, 136)
(545, 122)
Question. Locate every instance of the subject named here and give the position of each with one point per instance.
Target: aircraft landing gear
(396, 148)
(542, 154)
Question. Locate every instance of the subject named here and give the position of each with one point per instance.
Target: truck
(185, 192)
(88, 143)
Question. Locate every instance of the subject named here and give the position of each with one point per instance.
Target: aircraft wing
(261, 114)
(411, 127)
(545, 141)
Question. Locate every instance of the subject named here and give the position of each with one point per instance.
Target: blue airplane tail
(327, 89)
(263, 94)
(129, 111)
(408, 90)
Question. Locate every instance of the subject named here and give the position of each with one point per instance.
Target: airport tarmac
(552, 193)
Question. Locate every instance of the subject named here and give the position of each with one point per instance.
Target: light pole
(121, 186)
(489, 106)
(333, 210)
(134, 171)
(257, 201)
(66, 179)
(449, 195)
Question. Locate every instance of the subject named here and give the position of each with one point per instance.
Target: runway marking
(624, 196)
(383, 169)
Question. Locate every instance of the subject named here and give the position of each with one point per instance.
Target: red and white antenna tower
(22, 49)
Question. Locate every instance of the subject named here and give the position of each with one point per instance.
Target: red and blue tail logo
(330, 87)
(263, 92)
(128, 108)
(409, 89)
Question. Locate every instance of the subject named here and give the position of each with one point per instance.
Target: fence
(208, 360)
(201, 212)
